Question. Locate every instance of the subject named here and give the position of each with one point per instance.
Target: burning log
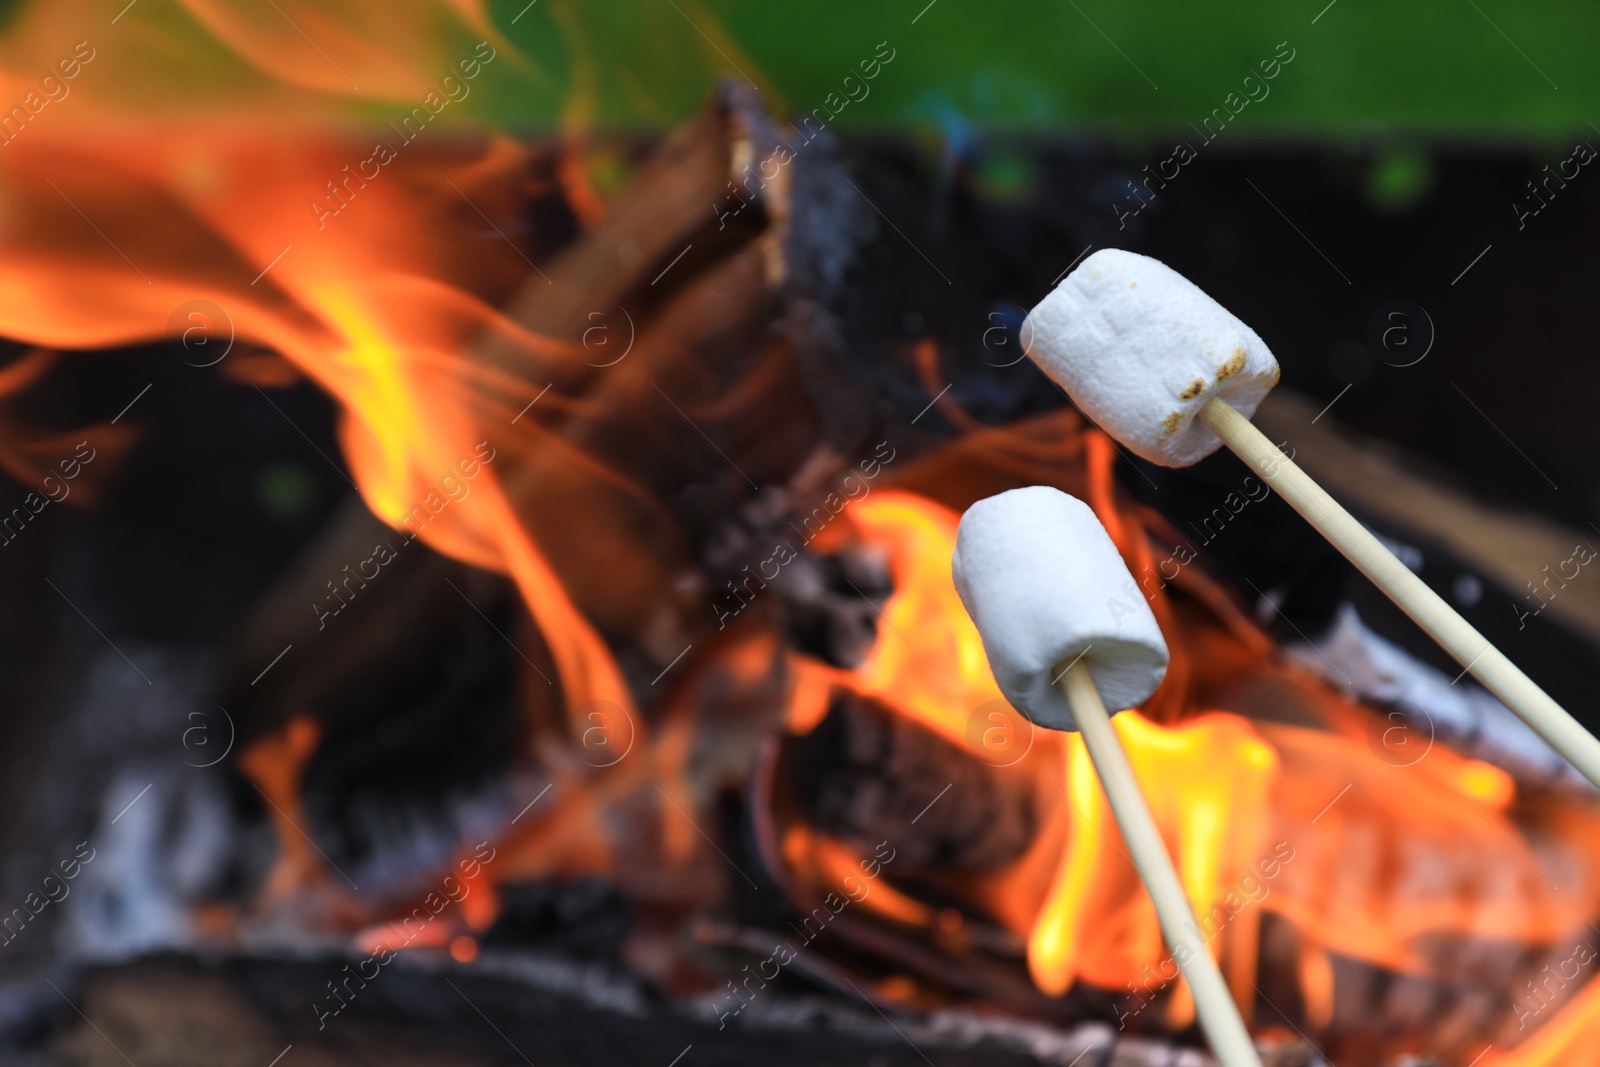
(700, 300)
(866, 774)
(180, 1013)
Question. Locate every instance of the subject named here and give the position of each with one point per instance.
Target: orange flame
(1368, 861)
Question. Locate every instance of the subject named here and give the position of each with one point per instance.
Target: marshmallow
(1140, 349)
(1044, 584)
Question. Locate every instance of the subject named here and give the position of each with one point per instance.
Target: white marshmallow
(1140, 349)
(1044, 584)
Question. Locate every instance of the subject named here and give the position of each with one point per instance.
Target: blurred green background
(1468, 67)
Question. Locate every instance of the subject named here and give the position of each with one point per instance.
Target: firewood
(866, 774)
(1512, 548)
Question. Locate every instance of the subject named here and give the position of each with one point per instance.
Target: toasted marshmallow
(1140, 349)
(1045, 585)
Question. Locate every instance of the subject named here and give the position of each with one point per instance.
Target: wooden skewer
(1427, 609)
(1219, 1016)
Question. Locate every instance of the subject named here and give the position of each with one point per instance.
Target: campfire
(628, 668)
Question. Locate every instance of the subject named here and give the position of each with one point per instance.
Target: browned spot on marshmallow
(1232, 367)
(1170, 423)
(1196, 387)
(1133, 285)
